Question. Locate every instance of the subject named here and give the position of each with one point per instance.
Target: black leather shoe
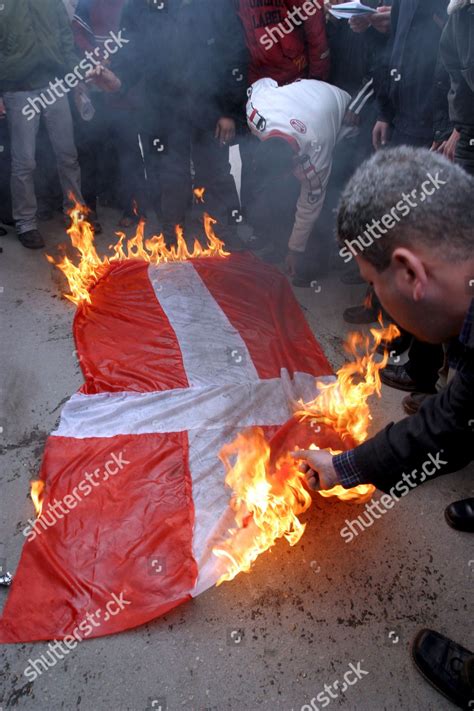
(443, 663)
(460, 516)
(360, 314)
(396, 376)
(412, 403)
(31, 239)
(397, 346)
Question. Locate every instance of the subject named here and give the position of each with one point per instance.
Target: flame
(37, 495)
(199, 194)
(270, 497)
(343, 404)
(91, 267)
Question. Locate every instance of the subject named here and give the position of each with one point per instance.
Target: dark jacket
(443, 427)
(36, 44)
(358, 60)
(408, 98)
(457, 53)
(192, 56)
(298, 53)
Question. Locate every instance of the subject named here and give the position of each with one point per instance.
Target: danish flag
(177, 359)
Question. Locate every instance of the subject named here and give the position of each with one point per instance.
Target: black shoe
(3, 232)
(443, 664)
(460, 516)
(360, 314)
(31, 239)
(396, 347)
(396, 376)
(412, 403)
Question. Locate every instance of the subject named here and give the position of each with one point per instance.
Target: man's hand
(381, 19)
(380, 135)
(291, 263)
(448, 148)
(318, 468)
(225, 130)
(351, 119)
(359, 24)
(3, 112)
(104, 78)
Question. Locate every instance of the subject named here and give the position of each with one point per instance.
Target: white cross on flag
(177, 358)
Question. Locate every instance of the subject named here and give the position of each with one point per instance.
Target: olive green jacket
(36, 44)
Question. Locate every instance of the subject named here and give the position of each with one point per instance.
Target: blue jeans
(23, 131)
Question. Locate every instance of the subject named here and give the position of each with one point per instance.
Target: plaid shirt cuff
(346, 469)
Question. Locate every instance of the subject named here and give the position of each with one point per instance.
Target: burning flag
(186, 355)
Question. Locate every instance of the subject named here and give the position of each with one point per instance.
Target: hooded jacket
(283, 45)
(457, 53)
(308, 114)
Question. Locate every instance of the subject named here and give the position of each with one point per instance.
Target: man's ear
(410, 273)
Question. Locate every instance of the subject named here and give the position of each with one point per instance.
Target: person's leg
(23, 144)
(172, 159)
(88, 139)
(131, 183)
(248, 144)
(47, 187)
(5, 174)
(58, 121)
(212, 171)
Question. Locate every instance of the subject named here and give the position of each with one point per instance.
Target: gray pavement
(271, 639)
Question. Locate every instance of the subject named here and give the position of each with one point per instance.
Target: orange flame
(91, 267)
(37, 495)
(343, 404)
(199, 194)
(267, 499)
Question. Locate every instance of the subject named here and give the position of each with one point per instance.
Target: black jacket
(457, 53)
(191, 54)
(443, 426)
(408, 97)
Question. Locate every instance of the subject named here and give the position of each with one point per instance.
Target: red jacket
(284, 46)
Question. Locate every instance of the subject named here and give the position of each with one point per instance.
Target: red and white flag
(177, 359)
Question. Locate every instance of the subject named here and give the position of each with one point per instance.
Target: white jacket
(308, 114)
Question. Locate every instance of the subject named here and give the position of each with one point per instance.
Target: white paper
(347, 10)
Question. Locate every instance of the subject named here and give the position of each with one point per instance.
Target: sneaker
(31, 239)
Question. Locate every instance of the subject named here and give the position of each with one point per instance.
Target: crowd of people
(133, 103)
